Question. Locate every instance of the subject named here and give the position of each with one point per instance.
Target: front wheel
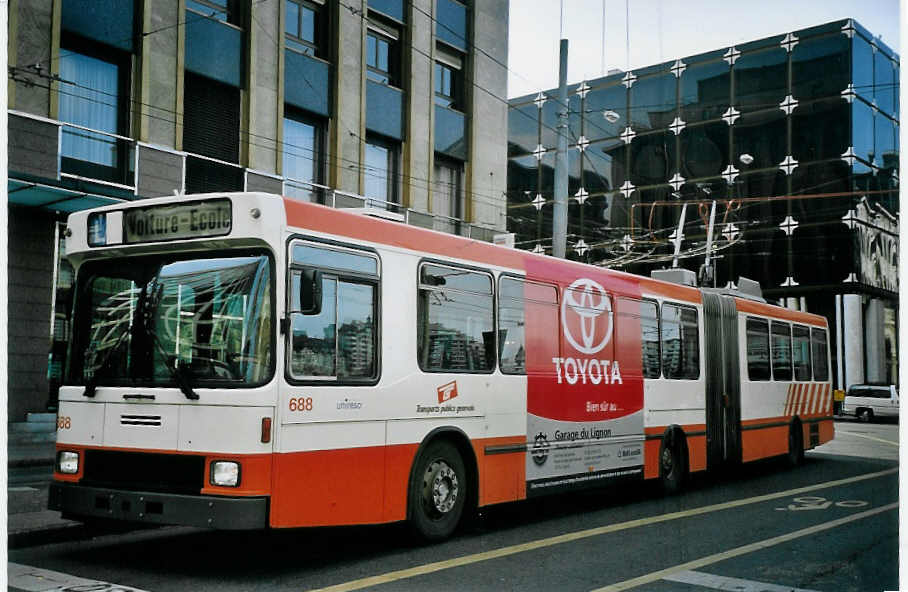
(865, 415)
(438, 491)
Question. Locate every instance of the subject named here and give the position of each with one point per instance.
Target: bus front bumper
(207, 511)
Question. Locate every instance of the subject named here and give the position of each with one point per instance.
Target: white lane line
(421, 570)
(705, 580)
(33, 579)
(847, 433)
(743, 550)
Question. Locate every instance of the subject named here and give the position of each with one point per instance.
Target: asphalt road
(829, 525)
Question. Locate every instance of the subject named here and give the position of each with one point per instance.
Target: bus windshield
(153, 321)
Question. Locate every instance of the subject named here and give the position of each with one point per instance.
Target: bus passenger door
(723, 381)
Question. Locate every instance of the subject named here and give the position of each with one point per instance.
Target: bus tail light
(266, 430)
(225, 473)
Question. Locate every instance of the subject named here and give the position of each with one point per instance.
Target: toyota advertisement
(584, 384)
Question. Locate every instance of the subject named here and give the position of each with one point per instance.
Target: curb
(52, 534)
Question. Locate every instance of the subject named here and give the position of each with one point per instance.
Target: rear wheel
(795, 444)
(438, 491)
(672, 464)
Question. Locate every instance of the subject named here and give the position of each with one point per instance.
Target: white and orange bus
(246, 361)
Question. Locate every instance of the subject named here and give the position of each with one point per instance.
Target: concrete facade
(150, 147)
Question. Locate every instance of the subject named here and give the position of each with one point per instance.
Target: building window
(93, 95)
(226, 11)
(382, 159)
(447, 197)
(303, 147)
(304, 27)
(382, 56)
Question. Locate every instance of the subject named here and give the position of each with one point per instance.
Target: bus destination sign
(169, 222)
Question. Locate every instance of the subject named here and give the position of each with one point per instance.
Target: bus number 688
(301, 404)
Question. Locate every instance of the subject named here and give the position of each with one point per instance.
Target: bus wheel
(672, 465)
(438, 491)
(795, 443)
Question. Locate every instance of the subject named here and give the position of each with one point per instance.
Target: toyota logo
(588, 301)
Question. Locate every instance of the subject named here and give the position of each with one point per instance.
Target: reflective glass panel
(761, 79)
(884, 83)
(862, 67)
(862, 127)
(704, 150)
(705, 91)
(653, 102)
(819, 130)
(602, 105)
(762, 135)
(820, 67)
(652, 158)
(523, 129)
(605, 165)
(884, 153)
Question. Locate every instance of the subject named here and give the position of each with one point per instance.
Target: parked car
(867, 401)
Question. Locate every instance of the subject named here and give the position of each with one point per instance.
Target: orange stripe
(749, 306)
(788, 400)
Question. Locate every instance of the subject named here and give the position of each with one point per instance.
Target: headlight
(68, 462)
(225, 473)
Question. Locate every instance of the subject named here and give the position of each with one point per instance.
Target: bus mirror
(311, 292)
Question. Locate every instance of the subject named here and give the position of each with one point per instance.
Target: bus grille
(143, 471)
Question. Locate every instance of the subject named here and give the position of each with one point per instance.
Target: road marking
(867, 437)
(705, 580)
(731, 553)
(33, 579)
(428, 568)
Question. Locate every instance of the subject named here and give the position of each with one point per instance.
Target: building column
(348, 121)
(875, 341)
(853, 338)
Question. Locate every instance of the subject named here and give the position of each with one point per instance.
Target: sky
(687, 28)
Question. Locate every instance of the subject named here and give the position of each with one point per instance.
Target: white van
(866, 401)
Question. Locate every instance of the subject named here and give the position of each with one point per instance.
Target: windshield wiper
(149, 302)
(91, 385)
(176, 368)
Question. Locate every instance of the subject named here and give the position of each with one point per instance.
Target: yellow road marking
(839, 432)
(421, 570)
(759, 545)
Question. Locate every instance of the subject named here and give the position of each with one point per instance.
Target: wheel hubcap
(440, 487)
(667, 461)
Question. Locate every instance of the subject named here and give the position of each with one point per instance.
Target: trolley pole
(559, 217)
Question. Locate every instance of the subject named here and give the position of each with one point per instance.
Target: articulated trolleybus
(246, 361)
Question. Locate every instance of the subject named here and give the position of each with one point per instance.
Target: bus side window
(455, 329)
(518, 300)
(680, 342)
(781, 350)
(801, 349)
(646, 312)
(339, 340)
(757, 349)
(820, 353)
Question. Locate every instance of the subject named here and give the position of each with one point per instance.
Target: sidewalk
(29, 470)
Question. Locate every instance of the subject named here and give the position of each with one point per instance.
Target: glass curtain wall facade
(787, 135)
(795, 127)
